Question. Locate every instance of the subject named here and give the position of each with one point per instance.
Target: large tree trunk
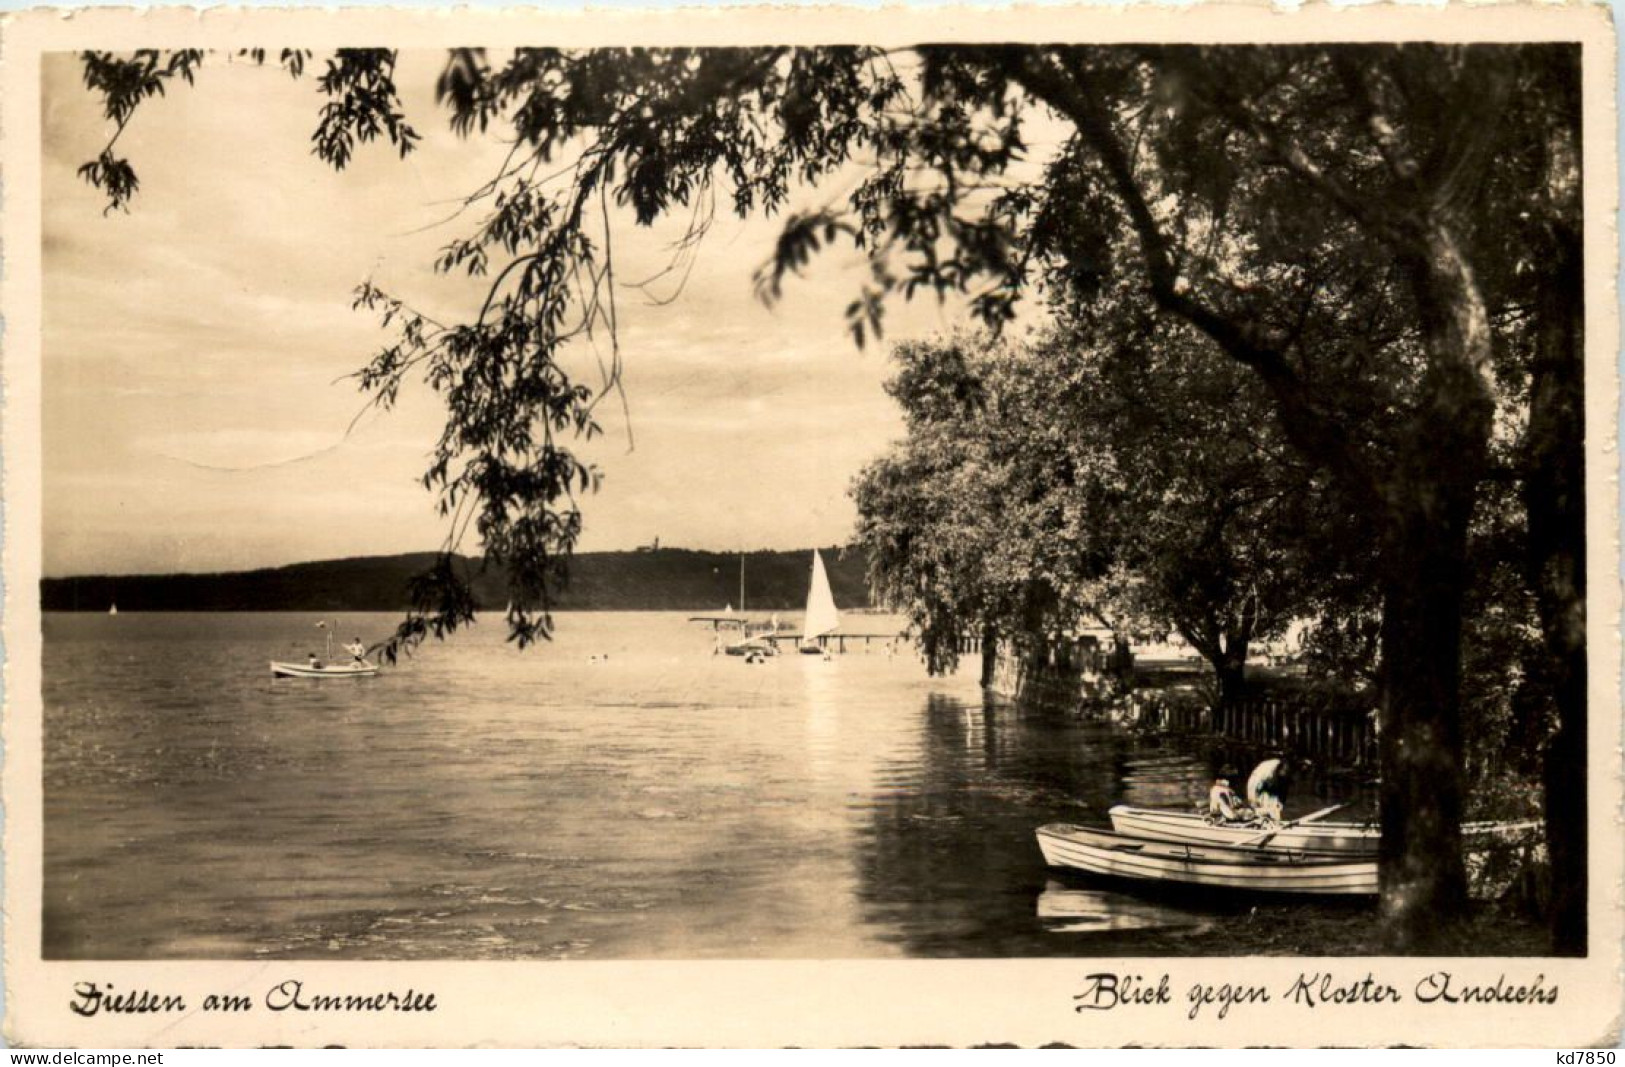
(1424, 883)
(1554, 495)
(1430, 493)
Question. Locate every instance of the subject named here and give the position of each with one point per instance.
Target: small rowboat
(327, 670)
(1357, 840)
(1273, 871)
(1349, 839)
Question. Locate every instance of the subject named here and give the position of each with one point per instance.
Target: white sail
(821, 614)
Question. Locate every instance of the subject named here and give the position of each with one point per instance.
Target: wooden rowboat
(1349, 839)
(1116, 855)
(1356, 840)
(327, 670)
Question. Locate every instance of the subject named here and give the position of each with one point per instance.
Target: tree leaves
(124, 82)
(363, 106)
(114, 176)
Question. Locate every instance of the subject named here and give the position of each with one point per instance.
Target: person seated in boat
(356, 649)
(1267, 787)
(1222, 803)
(315, 664)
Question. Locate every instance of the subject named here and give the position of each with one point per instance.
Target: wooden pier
(834, 643)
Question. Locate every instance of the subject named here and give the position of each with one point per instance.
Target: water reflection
(1064, 909)
(949, 865)
(1176, 780)
(823, 715)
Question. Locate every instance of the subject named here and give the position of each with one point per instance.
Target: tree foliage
(1090, 477)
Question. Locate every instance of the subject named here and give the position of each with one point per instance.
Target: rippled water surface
(482, 803)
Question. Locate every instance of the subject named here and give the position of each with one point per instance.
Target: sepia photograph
(705, 514)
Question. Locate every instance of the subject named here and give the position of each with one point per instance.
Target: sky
(196, 349)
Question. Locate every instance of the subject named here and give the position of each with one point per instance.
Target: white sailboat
(821, 617)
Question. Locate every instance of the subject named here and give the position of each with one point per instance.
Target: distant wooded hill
(666, 579)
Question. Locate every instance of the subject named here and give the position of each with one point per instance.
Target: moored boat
(1351, 839)
(751, 641)
(1162, 824)
(752, 646)
(1115, 855)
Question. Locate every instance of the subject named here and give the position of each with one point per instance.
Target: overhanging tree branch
(1071, 93)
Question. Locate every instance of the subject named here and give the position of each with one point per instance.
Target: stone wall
(1050, 678)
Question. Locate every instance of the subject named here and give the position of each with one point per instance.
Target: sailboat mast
(741, 583)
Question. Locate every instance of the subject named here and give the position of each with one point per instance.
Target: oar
(1267, 834)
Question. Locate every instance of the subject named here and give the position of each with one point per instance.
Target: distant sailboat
(821, 617)
(750, 644)
(112, 609)
(751, 647)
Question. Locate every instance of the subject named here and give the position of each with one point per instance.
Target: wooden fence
(1332, 737)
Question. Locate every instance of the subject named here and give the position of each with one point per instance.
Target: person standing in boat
(1267, 786)
(357, 650)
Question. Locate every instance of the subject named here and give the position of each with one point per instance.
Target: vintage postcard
(811, 527)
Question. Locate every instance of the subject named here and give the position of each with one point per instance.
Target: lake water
(478, 802)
